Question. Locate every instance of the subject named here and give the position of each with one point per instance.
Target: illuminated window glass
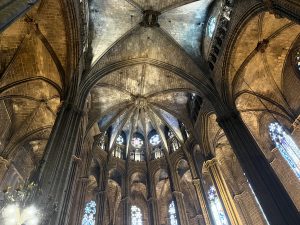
(216, 207)
(297, 59)
(157, 153)
(154, 140)
(137, 142)
(89, 213)
(120, 140)
(136, 216)
(172, 212)
(286, 146)
(118, 152)
(211, 26)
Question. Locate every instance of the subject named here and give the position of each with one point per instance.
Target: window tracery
(120, 140)
(286, 146)
(216, 207)
(89, 213)
(174, 142)
(154, 140)
(136, 216)
(172, 212)
(137, 142)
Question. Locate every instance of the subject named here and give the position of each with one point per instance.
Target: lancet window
(216, 207)
(89, 213)
(174, 142)
(172, 213)
(286, 146)
(136, 216)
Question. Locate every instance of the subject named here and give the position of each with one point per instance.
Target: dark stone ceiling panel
(110, 20)
(185, 24)
(151, 43)
(144, 80)
(159, 5)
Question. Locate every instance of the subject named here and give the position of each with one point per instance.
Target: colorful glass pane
(216, 207)
(120, 140)
(137, 142)
(286, 146)
(154, 140)
(89, 213)
(211, 26)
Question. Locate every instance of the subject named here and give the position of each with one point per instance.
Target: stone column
(53, 174)
(153, 211)
(199, 191)
(275, 201)
(198, 186)
(3, 170)
(182, 217)
(126, 210)
(236, 181)
(222, 188)
(181, 211)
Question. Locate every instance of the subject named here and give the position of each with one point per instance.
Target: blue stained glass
(286, 146)
(89, 213)
(172, 212)
(211, 26)
(216, 207)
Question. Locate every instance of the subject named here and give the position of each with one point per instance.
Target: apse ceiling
(145, 99)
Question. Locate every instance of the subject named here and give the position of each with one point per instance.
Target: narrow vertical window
(286, 146)
(136, 216)
(172, 212)
(216, 207)
(89, 214)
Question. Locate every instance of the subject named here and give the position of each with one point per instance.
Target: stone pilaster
(3, 168)
(222, 188)
(54, 173)
(201, 198)
(179, 203)
(153, 211)
(276, 203)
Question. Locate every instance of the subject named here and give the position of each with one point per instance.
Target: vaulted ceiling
(146, 96)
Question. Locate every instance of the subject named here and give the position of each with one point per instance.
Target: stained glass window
(211, 26)
(216, 207)
(137, 142)
(120, 140)
(172, 212)
(154, 140)
(286, 146)
(89, 213)
(297, 58)
(136, 216)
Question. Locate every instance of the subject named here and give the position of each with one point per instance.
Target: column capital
(178, 194)
(196, 181)
(151, 199)
(210, 163)
(124, 198)
(296, 123)
(4, 162)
